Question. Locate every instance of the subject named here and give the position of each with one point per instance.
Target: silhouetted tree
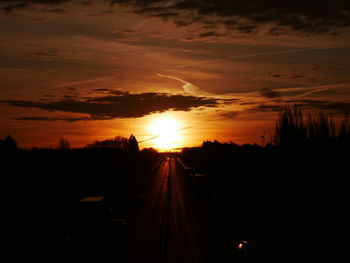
(121, 143)
(133, 144)
(118, 142)
(63, 144)
(344, 129)
(8, 144)
(290, 127)
(326, 127)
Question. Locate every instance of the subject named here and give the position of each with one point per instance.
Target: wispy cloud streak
(251, 55)
(188, 87)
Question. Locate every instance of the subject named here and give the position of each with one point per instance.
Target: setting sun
(166, 132)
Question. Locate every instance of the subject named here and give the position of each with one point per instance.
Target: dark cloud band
(338, 107)
(119, 105)
(245, 16)
(8, 6)
(241, 16)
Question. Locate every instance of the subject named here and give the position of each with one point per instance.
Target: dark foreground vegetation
(284, 202)
(45, 188)
(288, 200)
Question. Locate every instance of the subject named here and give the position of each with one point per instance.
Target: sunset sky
(205, 69)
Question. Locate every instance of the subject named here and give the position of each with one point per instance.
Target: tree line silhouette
(8, 144)
(292, 128)
(293, 191)
(48, 184)
(119, 142)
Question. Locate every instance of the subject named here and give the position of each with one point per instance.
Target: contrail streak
(84, 82)
(171, 77)
(152, 138)
(139, 25)
(319, 89)
(155, 137)
(188, 87)
(68, 85)
(310, 90)
(251, 55)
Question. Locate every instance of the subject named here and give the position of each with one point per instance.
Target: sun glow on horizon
(166, 131)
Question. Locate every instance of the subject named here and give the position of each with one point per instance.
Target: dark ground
(288, 205)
